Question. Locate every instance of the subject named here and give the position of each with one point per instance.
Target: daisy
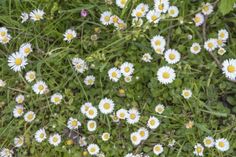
(55, 139)
(198, 19)
(221, 51)
(18, 111)
(222, 144)
(143, 7)
(106, 106)
(18, 141)
(162, 5)
(172, 56)
(25, 49)
(138, 13)
(207, 8)
(69, 35)
(40, 87)
(158, 149)
(91, 125)
(84, 108)
(133, 116)
(3, 31)
(195, 48)
(147, 57)
(2, 83)
(56, 98)
(229, 68)
(105, 18)
(223, 34)
(187, 93)
(114, 19)
(82, 141)
(24, 17)
(105, 136)
(73, 123)
(93, 149)
(143, 132)
(220, 43)
(173, 11)
(6, 152)
(210, 45)
(37, 15)
(40, 135)
(128, 79)
(198, 149)
(127, 69)
(17, 61)
(89, 80)
(209, 142)
(166, 75)
(122, 113)
(20, 98)
(121, 3)
(114, 74)
(114, 118)
(153, 16)
(30, 76)
(79, 64)
(153, 122)
(29, 116)
(158, 42)
(92, 112)
(5, 39)
(135, 138)
(159, 108)
(120, 25)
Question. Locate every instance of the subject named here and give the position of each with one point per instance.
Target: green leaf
(226, 6)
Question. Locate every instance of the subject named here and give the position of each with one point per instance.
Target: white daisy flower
(198, 19)
(229, 68)
(153, 122)
(29, 116)
(187, 93)
(2, 83)
(6, 152)
(20, 98)
(114, 19)
(220, 43)
(24, 17)
(91, 125)
(223, 34)
(79, 64)
(147, 57)
(135, 138)
(137, 13)
(207, 8)
(159, 50)
(56, 98)
(40, 135)
(92, 112)
(105, 18)
(89, 80)
(210, 45)
(93, 149)
(105, 136)
(114, 74)
(69, 35)
(159, 108)
(158, 42)
(40, 87)
(120, 25)
(18, 141)
(158, 149)
(221, 51)
(143, 132)
(114, 118)
(30, 76)
(209, 142)
(18, 111)
(55, 139)
(133, 116)
(222, 144)
(73, 123)
(195, 48)
(84, 108)
(153, 16)
(37, 15)
(161, 5)
(82, 141)
(166, 75)
(143, 7)
(5, 39)
(127, 69)
(198, 149)
(121, 3)
(172, 56)
(128, 79)
(25, 49)
(106, 106)
(122, 113)
(17, 61)
(173, 11)
(3, 32)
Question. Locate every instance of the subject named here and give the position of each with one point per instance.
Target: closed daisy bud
(91, 125)
(105, 136)
(69, 142)
(159, 108)
(221, 51)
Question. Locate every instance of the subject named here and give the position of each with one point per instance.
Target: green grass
(212, 107)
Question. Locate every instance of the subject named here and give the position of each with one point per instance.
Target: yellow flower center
(139, 14)
(222, 35)
(107, 18)
(205, 8)
(166, 75)
(56, 99)
(27, 50)
(91, 125)
(127, 69)
(41, 135)
(199, 149)
(91, 112)
(55, 139)
(123, 2)
(115, 19)
(220, 42)
(114, 74)
(106, 106)
(3, 34)
(208, 141)
(134, 138)
(30, 116)
(210, 45)
(195, 48)
(69, 36)
(172, 12)
(18, 61)
(172, 56)
(20, 111)
(186, 93)
(74, 123)
(142, 133)
(231, 68)
(197, 19)
(132, 116)
(40, 87)
(221, 144)
(38, 17)
(122, 115)
(161, 7)
(157, 148)
(158, 43)
(152, 122)
(106, 136)
(154, 18)
(31, 76)
(92, 150)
